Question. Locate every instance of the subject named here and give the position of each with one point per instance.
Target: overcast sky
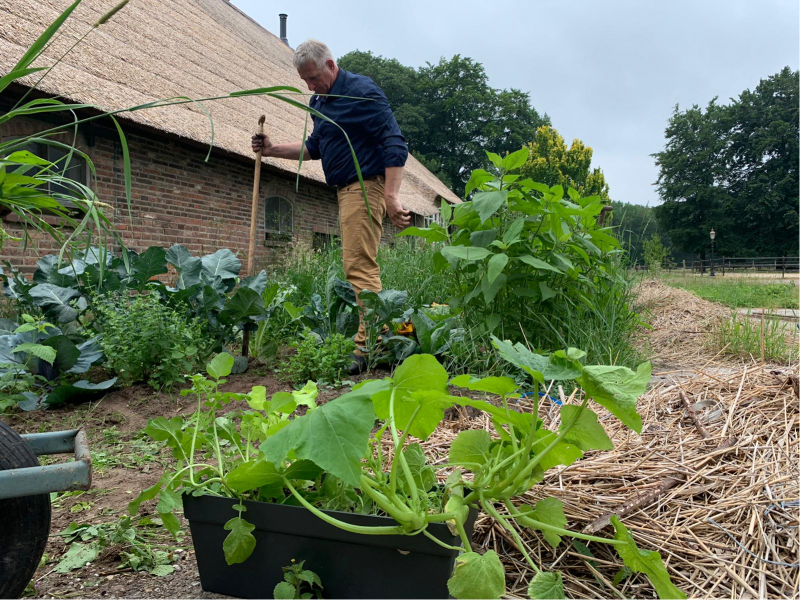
(607, 72)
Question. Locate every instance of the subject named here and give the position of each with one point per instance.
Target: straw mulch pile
(714, 491)
(680, 322)
(711, 483)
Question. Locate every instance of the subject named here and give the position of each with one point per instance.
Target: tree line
(733, 167)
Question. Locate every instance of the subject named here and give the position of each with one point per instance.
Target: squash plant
(271, 457)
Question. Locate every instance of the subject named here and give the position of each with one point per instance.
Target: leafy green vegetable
(477, 576)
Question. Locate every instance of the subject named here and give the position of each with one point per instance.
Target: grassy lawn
(739, 292)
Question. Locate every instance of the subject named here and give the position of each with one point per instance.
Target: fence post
(723, 266)
(783, 267)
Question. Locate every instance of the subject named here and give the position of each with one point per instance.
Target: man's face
(318, 80)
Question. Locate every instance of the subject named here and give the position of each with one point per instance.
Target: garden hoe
(251, 251)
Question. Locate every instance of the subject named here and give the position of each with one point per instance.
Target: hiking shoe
(358, 365)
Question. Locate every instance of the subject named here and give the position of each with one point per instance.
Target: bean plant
(274, 458)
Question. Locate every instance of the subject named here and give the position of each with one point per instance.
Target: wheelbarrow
(25, 488)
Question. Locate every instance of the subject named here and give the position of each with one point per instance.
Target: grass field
(740, 292)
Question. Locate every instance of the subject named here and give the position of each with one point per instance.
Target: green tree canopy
(449, 114)
(734, 168)
(552, 163)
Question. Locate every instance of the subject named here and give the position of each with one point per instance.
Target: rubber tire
(24, 522)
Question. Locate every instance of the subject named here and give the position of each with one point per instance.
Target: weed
(741, 336)
(298, 583)
(320, 360)
(134, 546)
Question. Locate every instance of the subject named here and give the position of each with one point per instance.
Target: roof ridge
(249, 18)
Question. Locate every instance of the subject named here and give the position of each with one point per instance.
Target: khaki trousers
(360, 240)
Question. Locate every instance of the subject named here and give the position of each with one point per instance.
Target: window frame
(273, 232)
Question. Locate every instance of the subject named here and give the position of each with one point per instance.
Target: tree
(734, 168)
(449, 114)
(552, 163)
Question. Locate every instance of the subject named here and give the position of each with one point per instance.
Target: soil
(124, 463)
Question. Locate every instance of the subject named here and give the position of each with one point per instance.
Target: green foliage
(448, 112)
(144, 340)
(332, 313)
(532, 263)
(552, 163)
(130, 540)
(207, 288)
(39, 364)
(734, 168)
(737, 292)
(655, 254)
(298, 583)
(741, 336)
(324, 360)
(267, 455)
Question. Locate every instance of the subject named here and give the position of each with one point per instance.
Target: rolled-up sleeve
(381, 123)
(312, 143)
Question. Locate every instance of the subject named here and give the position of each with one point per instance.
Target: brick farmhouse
(155, 49)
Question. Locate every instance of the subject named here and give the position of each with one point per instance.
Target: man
(381, 151)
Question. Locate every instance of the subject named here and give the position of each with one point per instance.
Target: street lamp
(713, 234)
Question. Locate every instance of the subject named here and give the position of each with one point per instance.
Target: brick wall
(177, 197)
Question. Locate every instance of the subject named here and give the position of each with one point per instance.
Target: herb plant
(490, 472)
(324, 360)
(145, 340)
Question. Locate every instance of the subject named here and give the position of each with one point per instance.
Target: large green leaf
(90, 353)
(251, 475)
(468, 253)
(495, 266)
(420, 372)
(538, 263)
(67, 353)
(256, 282)
(220, 366)
(428, 405)
(151, 263)
(488, 203)
(434, 233)
(617, 389)
(647, 562)
(587, 433)
(549, 511)
(55, 301)
(240, 542)
(223, 264)
(78, 556)
(187, 266)
(423, 475)
(562, 453)
(546, 586)
(80, 391)
(518, 355)
(471, 447)
(245, 304)
(334, 436)
(478, 576)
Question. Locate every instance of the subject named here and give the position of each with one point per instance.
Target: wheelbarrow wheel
(24, 521)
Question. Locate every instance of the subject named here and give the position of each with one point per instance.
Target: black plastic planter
(350, 565)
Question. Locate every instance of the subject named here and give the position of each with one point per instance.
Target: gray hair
(311, 51)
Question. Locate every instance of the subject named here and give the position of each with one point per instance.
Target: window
(278, 217)
(76, 170)
(325, 241)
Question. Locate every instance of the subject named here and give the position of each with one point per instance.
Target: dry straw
(711, 483)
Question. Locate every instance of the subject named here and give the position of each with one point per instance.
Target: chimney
(283, 28)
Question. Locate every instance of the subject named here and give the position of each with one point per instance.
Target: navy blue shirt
(370, 125)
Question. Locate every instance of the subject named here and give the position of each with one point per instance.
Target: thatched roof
(156, 49)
